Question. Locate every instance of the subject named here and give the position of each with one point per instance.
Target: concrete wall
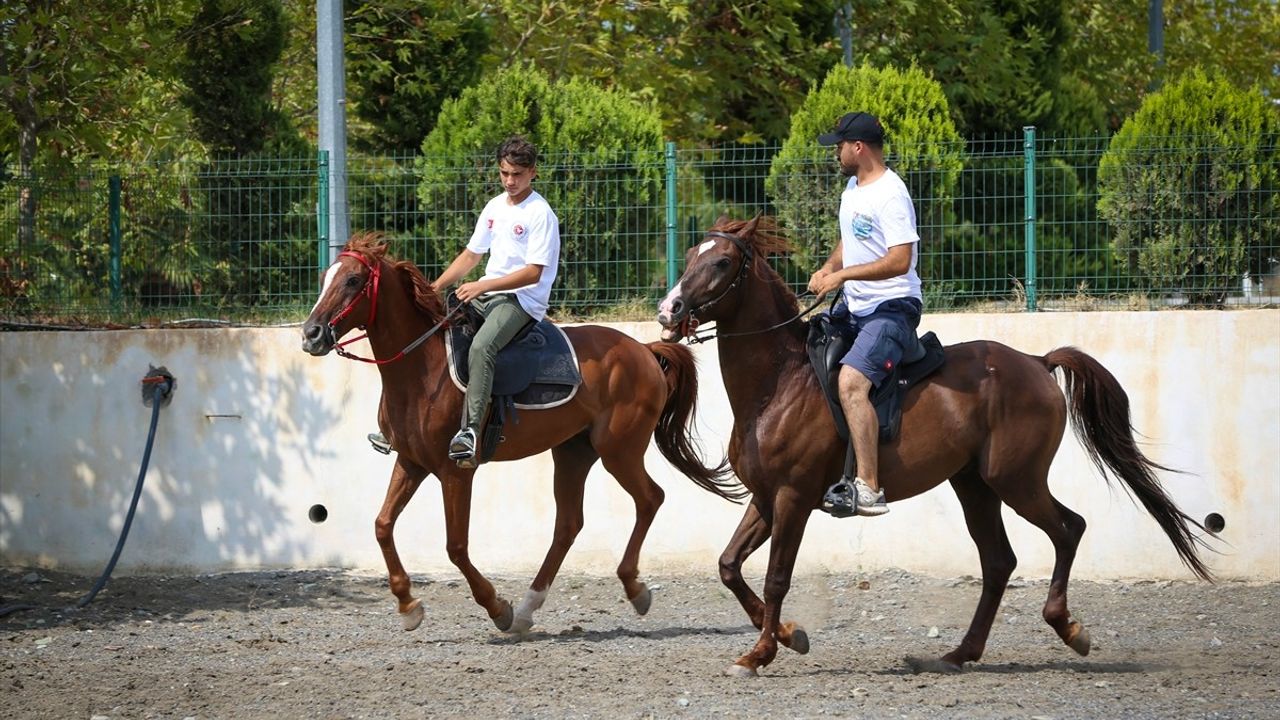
(258, 433)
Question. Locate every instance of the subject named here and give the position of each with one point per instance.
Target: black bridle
(694, 338)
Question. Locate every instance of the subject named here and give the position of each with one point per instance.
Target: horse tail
(673, 435)
(1099, 409)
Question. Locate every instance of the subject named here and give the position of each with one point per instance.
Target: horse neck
(398, 323)
(751, 363)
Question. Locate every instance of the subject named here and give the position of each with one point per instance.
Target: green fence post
(1029, 186)
(113, 229)
(322, 212)
(671, 215)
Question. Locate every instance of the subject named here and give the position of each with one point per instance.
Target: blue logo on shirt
(862, 227)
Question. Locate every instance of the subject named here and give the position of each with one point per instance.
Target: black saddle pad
(828, 342)
(536, 370)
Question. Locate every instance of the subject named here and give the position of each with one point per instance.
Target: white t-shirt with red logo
(516, 236)
(873, 218)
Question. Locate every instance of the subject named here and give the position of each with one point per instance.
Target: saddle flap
(538, 369)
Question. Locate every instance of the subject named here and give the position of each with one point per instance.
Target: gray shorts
(882, 337)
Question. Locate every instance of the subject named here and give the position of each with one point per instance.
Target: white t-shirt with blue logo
(516, 236)
(873, 218)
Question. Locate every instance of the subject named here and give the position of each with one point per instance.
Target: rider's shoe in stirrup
(870, 502)
(839, 500)
(380, 443)
(462, 448)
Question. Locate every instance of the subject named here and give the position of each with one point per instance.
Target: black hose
(159, 390)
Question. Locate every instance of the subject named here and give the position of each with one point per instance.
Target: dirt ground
(328, 644)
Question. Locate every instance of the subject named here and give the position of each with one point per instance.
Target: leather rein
(691, 322)
(370, 290)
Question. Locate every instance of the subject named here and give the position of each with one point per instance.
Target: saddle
(829, 341)
(537, 370)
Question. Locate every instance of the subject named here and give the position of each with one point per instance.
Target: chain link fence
(1027, 223)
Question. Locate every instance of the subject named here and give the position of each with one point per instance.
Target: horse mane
(373, 245)
(768, 238)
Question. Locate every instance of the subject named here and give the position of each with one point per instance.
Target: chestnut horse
(629, 393)
(989, 421)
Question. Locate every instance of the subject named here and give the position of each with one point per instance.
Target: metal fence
(1027, 223)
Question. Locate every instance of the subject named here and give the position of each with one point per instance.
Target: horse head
(715, 273)
(348, 297)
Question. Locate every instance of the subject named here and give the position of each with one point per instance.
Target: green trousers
(503, 320)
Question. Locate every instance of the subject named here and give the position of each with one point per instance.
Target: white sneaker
(869, 502)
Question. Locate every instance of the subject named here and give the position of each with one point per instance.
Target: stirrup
(462, 448)
(840, 499)
(380, 443)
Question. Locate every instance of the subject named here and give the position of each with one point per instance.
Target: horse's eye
(354, 281)
(722, 263)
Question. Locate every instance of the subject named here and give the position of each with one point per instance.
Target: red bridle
(371, 291)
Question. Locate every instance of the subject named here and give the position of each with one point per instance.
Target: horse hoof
(741, 671)
(797, 640)
(412, 617)
(504, 618)
(520, 626)
(642, 600)
(1080, 641)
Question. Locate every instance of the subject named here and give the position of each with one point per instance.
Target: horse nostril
(313, 332)
(677, 306)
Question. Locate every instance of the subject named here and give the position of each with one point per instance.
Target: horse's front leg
(790, 515)
(455, 486)
(752, 531)
(406, 477)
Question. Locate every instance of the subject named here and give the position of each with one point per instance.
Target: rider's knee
(853, 383)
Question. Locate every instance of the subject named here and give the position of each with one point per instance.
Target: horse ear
(721, 221)
(750, 227)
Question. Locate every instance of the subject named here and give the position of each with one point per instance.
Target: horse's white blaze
(664, 307)
(706, 246)
(329, 275)
(532, 601)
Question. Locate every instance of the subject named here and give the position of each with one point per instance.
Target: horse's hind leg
(573, 460)
(623, 457)
(1064, 528)
(405, 480)
(982, 516)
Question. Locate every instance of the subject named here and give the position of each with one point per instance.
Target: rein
(371, 291)
(693, 338)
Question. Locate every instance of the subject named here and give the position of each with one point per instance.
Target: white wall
(258, 432)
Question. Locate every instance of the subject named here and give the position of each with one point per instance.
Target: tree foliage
(404, 59)
(998, 61)
(719, 70)
(231, 51)
(921, 144)
(599, 170)
(1189, 186)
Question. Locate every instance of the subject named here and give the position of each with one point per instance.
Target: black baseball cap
(855, 126)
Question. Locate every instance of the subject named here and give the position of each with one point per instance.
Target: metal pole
(322, 212)
(1155, 29)
(1029, 187)
(113, 215)
(331, 88)
(846, 35)
(671, 215)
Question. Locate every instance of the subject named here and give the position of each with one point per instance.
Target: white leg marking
(524, 613)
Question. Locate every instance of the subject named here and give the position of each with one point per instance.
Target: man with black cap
(875, 266)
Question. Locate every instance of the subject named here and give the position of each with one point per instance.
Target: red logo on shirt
(518, 229)
(490, 223)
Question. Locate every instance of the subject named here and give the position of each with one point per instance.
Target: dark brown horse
(629, 393)
(989, 421)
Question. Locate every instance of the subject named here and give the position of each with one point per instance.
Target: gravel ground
(328, 644)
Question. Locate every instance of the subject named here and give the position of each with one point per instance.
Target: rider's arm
(457, 269)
